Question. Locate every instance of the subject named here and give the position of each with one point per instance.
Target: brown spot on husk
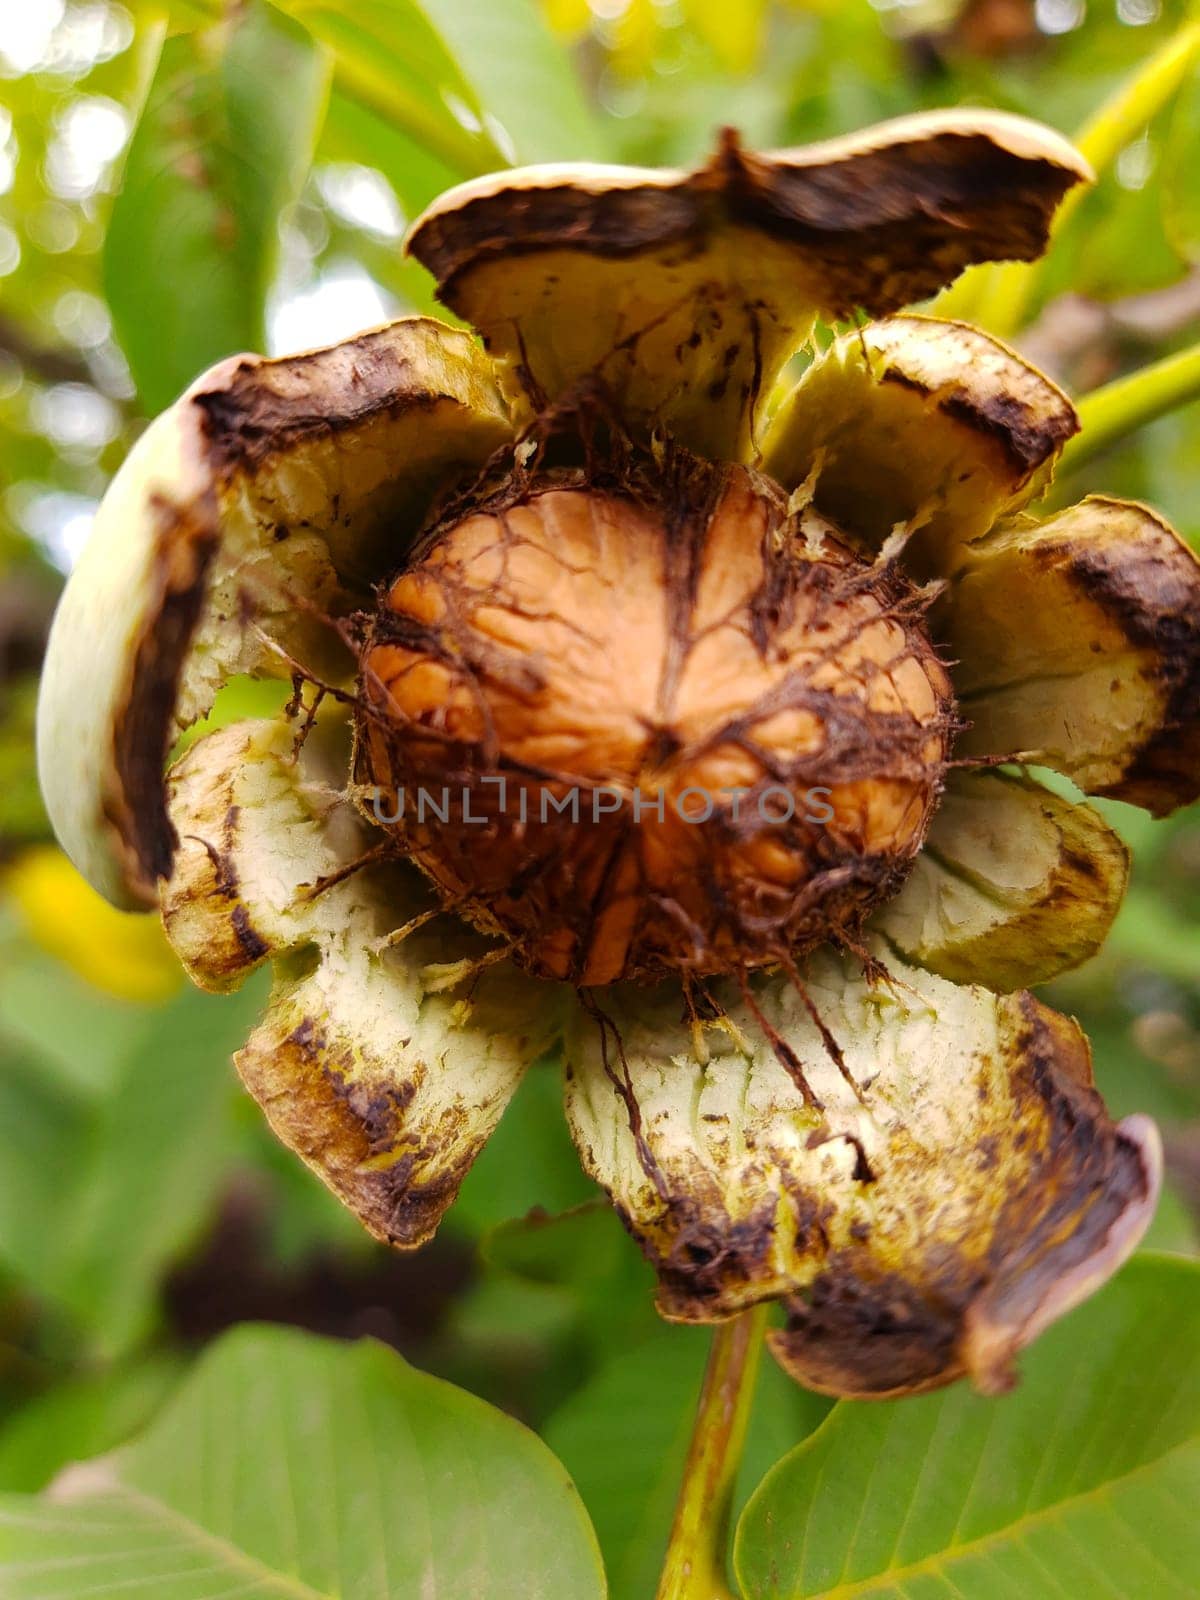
(1151, 587)
(1027, 436)
(262, 410)
(1103, 682)
(133, 797)
(352, 1133)
(864, 1331)
(194, 518)
(202, 901)
(255, 948)
(887, 225)
(921, 422)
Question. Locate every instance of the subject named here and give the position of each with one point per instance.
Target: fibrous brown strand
(637, 718)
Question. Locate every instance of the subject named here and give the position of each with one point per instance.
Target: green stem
(1108, 414)
(695, 1565)
(1125, 114)
(998, 296)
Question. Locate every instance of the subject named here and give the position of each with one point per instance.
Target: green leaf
(624, 1435)
(522, 77)
(557, 1294)
(1085, 1480)
(579, 1248)
(78, 1034)
(353, 131)
(389, 56)
(42, 1131)
(528, 1162)
(84, 1416)
(160, 1150)
(1109, 414)
(783, 1415)
(586, 1256)
(295, 1467)
(217, 156)
(623, 1438)
(476, 85)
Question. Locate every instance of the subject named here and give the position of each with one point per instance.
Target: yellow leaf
(123, 953)
(568, 18)
(732, 33)
(635, 36)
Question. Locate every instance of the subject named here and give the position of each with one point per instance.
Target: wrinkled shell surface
(679, 678)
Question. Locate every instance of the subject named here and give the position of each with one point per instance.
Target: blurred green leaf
(1114, 245)
(160, 1150)
(216, 157)
(22, 815)
(529, 1162)
(555, 1295)
(1174, 1227)
(522, 78)
(1130, 402)
(1087, 1475)
(516, 1341)
(466, 86)
(85, 1416)
(998, 296)
(578, 1248)
(77, 1033)
(353, 131)
(479, 86)
(42, 1134)
(589, 1258)
(241, 697)
(289, 1466)
(390, 56)
(1149, 931)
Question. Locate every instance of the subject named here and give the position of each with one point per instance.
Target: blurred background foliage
(180, 181)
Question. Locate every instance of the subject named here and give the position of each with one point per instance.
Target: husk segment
(1078, 645)
(927, 1222)
(685, 292)
(270, 492)
(387, 1089)
(919, 422)
(1014, 885)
